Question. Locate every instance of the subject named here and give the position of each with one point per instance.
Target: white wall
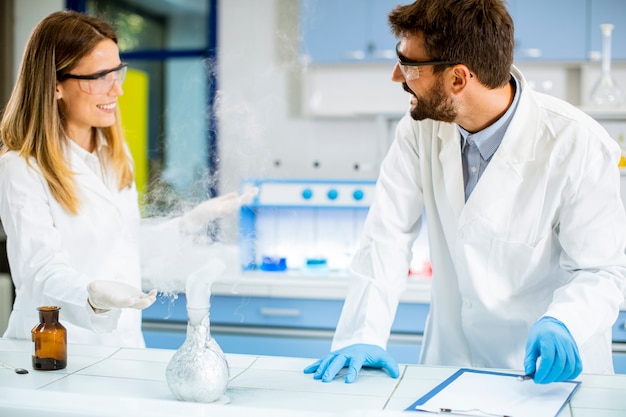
(263, 129)
(263, 88)
(260, 92)
(27, 13)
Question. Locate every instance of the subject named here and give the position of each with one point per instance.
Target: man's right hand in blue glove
(354, 357)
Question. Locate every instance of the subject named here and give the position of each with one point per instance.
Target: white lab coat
(542, 234)
(53, 255)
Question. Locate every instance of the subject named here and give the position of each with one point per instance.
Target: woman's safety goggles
(100, 82)
(410, 68)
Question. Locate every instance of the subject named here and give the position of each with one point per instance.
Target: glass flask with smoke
(198, 371)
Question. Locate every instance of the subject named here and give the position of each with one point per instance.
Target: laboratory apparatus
(198, 371)
(606, 93)
(309, 226)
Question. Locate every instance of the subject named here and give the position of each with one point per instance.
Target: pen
(526, 377)
(474, 410)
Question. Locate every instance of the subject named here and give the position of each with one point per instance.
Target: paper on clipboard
(484, 393)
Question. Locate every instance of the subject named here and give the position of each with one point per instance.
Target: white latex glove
(214, 208)
(104, 295)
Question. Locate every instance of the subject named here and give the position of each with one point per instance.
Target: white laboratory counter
(106, 381)
(308, 283)
(327, 286)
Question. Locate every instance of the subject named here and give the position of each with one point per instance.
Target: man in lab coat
(526, 226)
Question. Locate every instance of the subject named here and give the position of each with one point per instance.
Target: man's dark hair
(477, 33)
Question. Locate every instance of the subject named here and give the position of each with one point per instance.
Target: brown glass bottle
(50, 339)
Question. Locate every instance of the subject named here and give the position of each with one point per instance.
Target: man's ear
(460, 78)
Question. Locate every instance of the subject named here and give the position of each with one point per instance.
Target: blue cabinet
(333, 31)
(276, 326)
(619, 362)
(619, 339)
(343, 31)
(340, 31)
(619, 328)
(566, 30)
(550, 30)
(295, 327)
(287, 313)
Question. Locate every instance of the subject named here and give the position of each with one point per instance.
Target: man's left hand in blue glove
(550, 341)
(354, 357)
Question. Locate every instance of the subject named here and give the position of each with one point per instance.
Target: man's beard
(439, 106)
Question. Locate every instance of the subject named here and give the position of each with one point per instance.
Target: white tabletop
(106, 381)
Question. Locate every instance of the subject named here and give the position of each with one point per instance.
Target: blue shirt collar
(489, 139)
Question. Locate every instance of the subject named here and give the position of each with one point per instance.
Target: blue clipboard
(558, 400)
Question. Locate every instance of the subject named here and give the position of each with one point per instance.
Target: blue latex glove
(550, 341)
(354, 357)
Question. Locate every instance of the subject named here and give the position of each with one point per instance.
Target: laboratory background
(295, 97)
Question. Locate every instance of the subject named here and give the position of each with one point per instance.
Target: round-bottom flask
(198, 371)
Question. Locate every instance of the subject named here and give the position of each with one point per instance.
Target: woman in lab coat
(68, 201)
(527, 234)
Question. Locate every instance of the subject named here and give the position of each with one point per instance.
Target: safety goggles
(100, 82)
(410, 68)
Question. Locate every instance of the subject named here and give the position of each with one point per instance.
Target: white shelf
(606, 114)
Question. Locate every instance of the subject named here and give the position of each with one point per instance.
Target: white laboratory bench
(104, 381)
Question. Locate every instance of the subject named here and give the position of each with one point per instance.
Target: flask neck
(606, 48)
(197, 315)
(199, 333)
(49, 314)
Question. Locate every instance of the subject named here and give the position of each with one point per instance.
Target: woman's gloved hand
(354, 357)
(198, 217)
(105, 295)
(551, 342)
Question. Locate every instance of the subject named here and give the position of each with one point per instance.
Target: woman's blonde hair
(33, 121)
